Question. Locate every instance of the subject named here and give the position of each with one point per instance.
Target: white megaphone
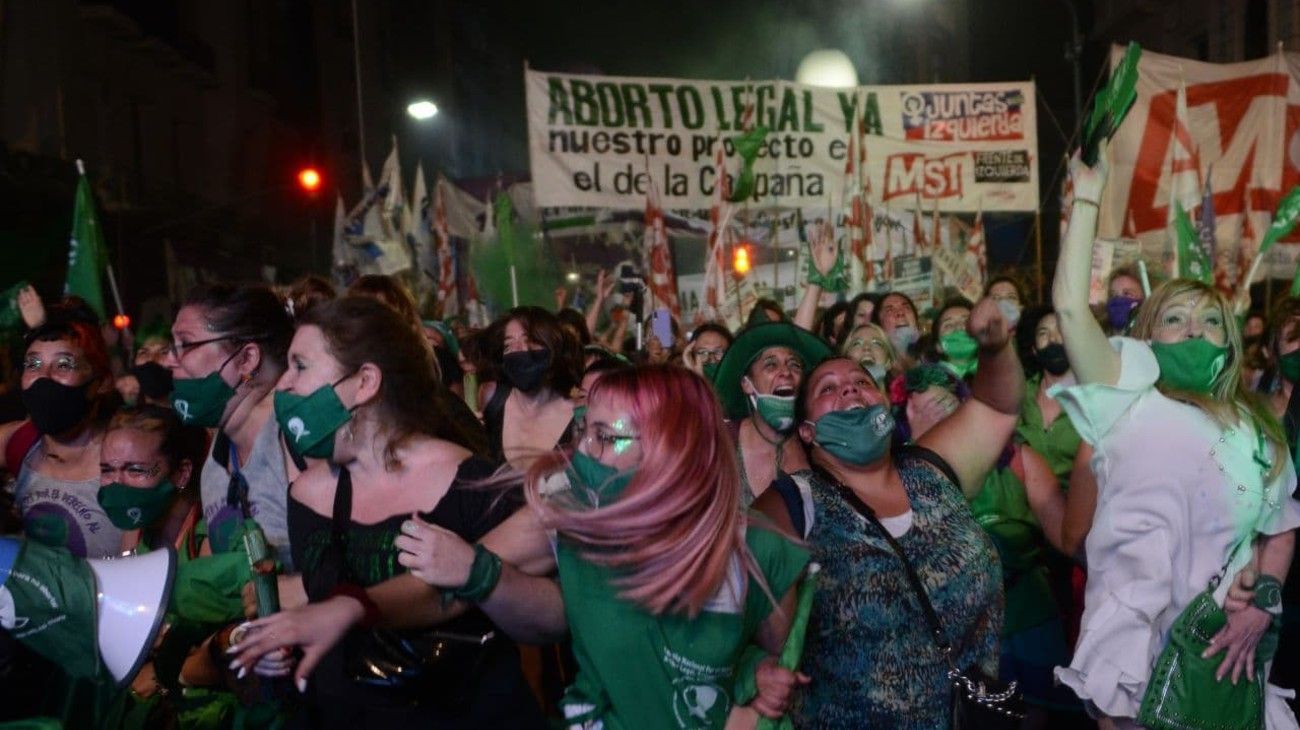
(75, 612)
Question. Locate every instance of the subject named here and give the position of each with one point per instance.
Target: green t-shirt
(1057, 443)
(636, 670)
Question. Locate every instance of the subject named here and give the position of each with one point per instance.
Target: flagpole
(112, 284)
(356, 58)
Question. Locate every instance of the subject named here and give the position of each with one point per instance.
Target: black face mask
(54, 407)
(155, 380)
(526, 370)
(1053, 359)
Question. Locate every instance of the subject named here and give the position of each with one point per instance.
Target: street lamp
(422, 110)
(828, 67)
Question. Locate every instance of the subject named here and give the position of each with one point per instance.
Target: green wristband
(1268, 594)
(831, 281)
(483, 577)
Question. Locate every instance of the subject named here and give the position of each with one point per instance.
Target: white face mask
(903, 337)
(1010, 311)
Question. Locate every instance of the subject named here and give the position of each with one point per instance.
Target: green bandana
(1190, 365)
(959, 351)
(134, 508)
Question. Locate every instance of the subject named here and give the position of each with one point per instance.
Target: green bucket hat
(749, 344)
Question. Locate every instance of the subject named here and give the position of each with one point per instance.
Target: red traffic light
(121, 321)
(309, 179)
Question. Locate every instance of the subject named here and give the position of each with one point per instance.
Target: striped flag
(976, 247)
(1067, 202)
(715, 268)
(448, 302)
(918, 231)
(1184, 163)
(659, 257)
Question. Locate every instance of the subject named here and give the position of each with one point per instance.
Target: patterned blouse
(869, 653)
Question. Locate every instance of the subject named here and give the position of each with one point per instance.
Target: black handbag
(978, 701)
(440, 667)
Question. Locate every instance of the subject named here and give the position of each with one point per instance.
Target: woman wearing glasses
(669, 593)
(228, 350)
(68, 392)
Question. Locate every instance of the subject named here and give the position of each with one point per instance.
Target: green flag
(747, 146)
(1111, 103)
(517, 244)
(792, 652)
(86, 257)
(1192, 261)
(1288, 211)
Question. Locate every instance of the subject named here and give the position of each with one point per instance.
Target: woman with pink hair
(669, 593)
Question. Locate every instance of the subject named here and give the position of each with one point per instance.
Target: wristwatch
(1268, 594)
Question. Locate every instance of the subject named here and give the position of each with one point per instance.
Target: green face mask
(596, 484)
(201, 401)
(1190, 365)
(776, 411)
(858, 436)
(1289, 364)
(308, 422)
(959, 351)
(134, 508)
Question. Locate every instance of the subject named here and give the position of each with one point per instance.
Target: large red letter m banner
(1244, 120)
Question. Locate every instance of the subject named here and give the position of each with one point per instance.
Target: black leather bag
(441, 667)
(978, 702)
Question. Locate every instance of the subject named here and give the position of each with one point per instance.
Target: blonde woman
(1193, 476)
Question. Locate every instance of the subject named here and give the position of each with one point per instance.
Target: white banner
(599, 141)
(1244, 120)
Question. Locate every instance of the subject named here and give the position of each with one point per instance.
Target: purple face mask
(1118, 310)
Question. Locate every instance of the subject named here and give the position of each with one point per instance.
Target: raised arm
(604, 287)
(973, 437)
(1091, 356)
(824, 255)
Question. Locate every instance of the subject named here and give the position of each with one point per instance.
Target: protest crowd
(860, 513)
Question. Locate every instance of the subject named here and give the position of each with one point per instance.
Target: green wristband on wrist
(483, 577)
(1268, 594)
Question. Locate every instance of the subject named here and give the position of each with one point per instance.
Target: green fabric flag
(1111, 103)
(1192, 261)
(1288, 211)
(86, 258)
(53, 605)
(747, 146)
(517, 244)
(792, 652)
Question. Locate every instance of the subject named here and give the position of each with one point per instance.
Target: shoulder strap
(20, 444)
(340, 518)
(932, 459)
(927, 609)
(796, 492)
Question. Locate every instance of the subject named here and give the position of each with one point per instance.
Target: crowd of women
(532, 524)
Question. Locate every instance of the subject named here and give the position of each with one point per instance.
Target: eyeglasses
(131, 472)
(66, 364)
(598, 439)
(178, 349)
(710, 355)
